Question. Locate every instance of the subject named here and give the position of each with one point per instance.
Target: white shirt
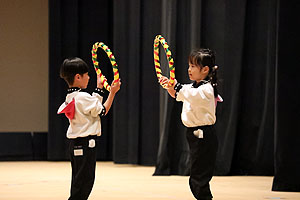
(198, 105)
(87, 109)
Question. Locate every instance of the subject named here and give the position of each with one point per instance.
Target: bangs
(195, 58)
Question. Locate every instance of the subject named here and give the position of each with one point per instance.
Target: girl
(198, 115)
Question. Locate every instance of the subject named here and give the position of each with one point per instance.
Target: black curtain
(136, 107)
(255, 43)
(287, 137)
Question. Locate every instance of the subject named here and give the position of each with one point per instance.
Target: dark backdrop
(256, 44)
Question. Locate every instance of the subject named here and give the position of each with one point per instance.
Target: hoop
(112, 61)
(160, 39)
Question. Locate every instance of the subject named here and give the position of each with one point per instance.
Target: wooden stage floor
(51, 180)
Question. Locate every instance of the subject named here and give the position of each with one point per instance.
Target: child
(83, 111)
(198, 115)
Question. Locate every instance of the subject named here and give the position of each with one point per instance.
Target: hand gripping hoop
(112, 61)
(160, 39)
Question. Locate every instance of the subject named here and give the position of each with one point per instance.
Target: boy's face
(83, 80)
(197, 73)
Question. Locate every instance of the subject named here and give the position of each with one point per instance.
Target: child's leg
(83, 161)
(203, 156)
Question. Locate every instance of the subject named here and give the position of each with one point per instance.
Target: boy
(83, 111)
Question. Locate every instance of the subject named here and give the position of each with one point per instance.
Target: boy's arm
(115, 87)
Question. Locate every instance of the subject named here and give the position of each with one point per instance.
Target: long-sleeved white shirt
(198, 105)
(87, 109)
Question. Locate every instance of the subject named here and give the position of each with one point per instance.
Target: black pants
(83, 162)
(203, 153)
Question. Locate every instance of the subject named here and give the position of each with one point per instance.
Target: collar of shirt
(196, 85)
(73, 89)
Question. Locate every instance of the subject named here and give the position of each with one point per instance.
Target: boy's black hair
(72, 66)
(206, 57)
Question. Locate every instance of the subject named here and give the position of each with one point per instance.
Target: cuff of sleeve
(103, 111)
(99, 91)
(177, 88)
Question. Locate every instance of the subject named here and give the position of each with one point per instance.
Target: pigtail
(214, 80)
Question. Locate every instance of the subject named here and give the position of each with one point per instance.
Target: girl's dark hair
(72, 66)
(206, 57)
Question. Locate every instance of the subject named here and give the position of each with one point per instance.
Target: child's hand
(100, 83)
(115, 86)
(175, 82)
(170, 87)
(164, 81)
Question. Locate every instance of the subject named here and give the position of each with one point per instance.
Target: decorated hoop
(160, 39)
(112, 61)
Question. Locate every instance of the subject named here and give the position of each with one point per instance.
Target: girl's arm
(170, 89)
(203, 93)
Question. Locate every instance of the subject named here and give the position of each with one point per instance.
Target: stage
(37, 180)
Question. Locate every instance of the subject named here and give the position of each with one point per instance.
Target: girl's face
(197, 73)
(84, 80)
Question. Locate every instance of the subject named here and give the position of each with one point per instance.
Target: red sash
(69, 110)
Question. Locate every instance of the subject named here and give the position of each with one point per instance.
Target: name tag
(78, 152)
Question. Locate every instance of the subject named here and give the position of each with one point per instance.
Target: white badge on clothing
(92, 143)
(78, 152)
(198, 133)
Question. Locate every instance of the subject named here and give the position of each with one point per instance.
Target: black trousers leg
(203, 153)
(83, 162)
